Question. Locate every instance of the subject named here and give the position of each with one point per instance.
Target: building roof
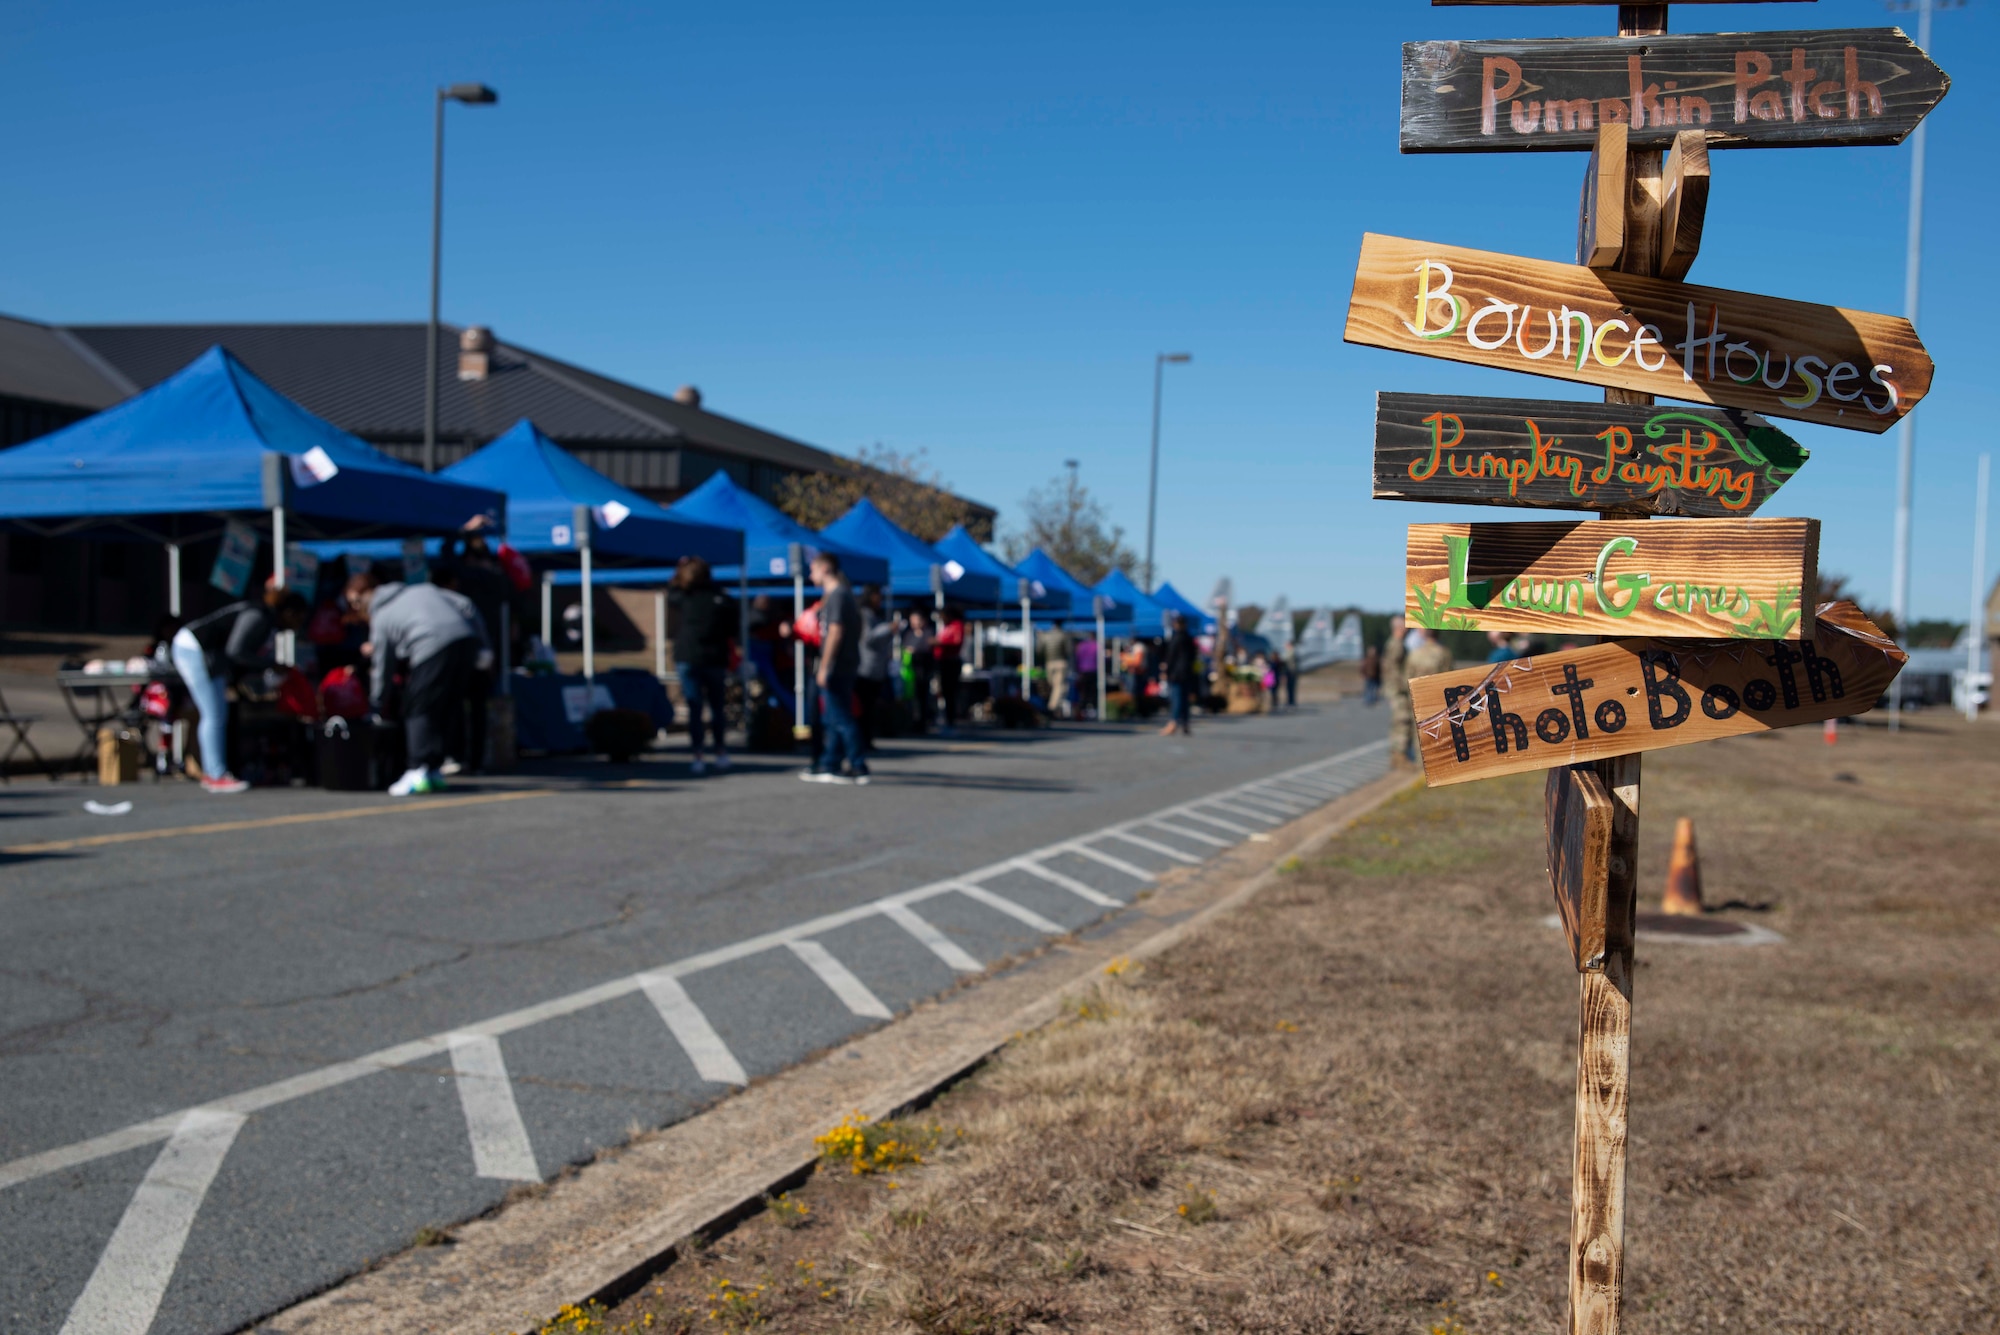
(48, 364)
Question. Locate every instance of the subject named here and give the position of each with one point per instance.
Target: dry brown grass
(1346, 1108)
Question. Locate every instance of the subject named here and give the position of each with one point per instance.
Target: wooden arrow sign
(1799, 89)
(1627, 696)
(1579, 811)
(1768, 355)
(1706, 463)
(1736, 578)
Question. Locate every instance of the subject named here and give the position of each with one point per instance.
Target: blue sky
(957, 229)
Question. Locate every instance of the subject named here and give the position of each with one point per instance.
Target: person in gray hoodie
(440, 635)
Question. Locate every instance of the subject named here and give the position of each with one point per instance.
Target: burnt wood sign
(1794, 359)
(1628, 696)
(1837, 86)
(1709, 463)
(1751, 579)
(1579, 809)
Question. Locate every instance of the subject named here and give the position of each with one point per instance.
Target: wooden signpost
(1563, 455)
(1649, 108)
(1729, 578)
(1622, 330)
(1627, 696)
(1579, 810)
(1743, 90)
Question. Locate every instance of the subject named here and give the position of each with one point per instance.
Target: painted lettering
(1489, 96)
(1660, 669)
(1426, 296)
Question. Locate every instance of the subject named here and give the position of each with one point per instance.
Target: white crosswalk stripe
(713, 1061)
(500, 1146)
(1191, 813)
(840, 980)
(124, 1291)
(1069, 883)
(1183, 832)
(1116, 864)
(1248, 813)
(938, 943)
(1155, 846)
(972, 890)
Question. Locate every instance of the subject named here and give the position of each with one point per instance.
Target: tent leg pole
(798, 654)
(173, 579)
(660, 636)
(286, 648)
(548, 610)
(589, 625)
(743, 639)
(1027, 655)
(506, 649)
(1100, 665)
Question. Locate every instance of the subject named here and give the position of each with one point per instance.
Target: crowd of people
(414, 657)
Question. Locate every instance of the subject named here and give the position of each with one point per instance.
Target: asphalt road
(248, 1045)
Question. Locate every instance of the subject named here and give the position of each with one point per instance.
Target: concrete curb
(601, 1232)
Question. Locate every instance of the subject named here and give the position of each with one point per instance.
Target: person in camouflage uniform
(1396, 689)
(1427, 658)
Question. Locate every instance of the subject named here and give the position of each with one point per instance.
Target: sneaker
(722, 761)
(414, 781)
(450, 766)
(227, 783)
(433, 781)
(814, 776)
(861, 779)
(698, 768)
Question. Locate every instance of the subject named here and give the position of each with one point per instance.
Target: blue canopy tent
(213, 443)
(1148, 618)
(1171, 600)
(776, 548)
(1040, 567)
(916, 569)
(556, 505)
(960, 546)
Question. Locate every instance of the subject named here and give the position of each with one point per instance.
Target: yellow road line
(272, 822)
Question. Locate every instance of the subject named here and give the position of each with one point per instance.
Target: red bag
(326, 626)
(807, 628)
(297, 697)
(341, 695)
(519, 574)
(156, 701)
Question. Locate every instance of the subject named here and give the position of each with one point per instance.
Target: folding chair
(19, 725)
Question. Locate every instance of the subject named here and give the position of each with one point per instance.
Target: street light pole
(1906, 445)
(1160, 361)
(472, 94)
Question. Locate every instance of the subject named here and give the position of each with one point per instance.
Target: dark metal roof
(45, 363)
(368, 379)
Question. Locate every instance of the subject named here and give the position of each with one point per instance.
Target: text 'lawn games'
(1710, 619)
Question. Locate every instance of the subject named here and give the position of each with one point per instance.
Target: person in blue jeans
(703, 620)
(211, 652)
(839, 665)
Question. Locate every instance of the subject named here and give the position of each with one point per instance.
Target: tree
(1064, 520)
(903, 486)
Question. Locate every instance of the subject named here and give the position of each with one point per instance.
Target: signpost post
(1720, 634)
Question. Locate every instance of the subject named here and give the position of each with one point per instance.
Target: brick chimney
(475, 352)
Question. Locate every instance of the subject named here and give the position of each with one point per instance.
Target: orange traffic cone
(1683, 895)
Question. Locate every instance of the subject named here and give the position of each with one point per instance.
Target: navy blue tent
(1171, 600)
(911, 560)
(769, 535)
(213, 442)
(962, 547)
(546, 485)
(1039, 565)
(1148, 617)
